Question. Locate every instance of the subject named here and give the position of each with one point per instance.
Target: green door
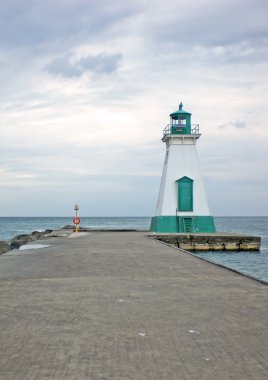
(185, 194)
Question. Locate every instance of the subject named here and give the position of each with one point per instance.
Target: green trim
(164, 224)
(180, 113)
(181, 129)
(175, 224)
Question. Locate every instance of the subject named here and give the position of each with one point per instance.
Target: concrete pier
(216, 241)
(117, 305)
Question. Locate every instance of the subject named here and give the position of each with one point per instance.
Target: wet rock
(4, 247)
(19, 240)
(37, 234)
(23, 239)
(45, 234)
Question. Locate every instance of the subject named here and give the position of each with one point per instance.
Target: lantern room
(180, 121)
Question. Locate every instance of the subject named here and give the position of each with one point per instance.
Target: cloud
(211, 32)
(87, 87)
(68, 66)
(234, 124)
(220, 23)
(32, 23)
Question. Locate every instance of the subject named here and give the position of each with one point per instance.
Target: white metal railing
(194, 128)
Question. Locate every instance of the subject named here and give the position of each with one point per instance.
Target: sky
(87, 88)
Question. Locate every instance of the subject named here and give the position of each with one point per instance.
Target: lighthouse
(182, 204)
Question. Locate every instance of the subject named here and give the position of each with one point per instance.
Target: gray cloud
(234, 124)
(225, 31)
(100, 63)
(32, 23)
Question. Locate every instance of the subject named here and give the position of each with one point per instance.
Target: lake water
(252, 263)
(10, 227)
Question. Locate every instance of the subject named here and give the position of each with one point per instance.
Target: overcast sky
(87, 87)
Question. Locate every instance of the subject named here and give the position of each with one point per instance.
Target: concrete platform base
(211, 241)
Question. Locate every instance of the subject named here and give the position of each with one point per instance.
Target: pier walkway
(116, 305)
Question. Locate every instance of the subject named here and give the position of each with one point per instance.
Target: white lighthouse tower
(182, 204)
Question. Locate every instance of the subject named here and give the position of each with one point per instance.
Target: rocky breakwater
(17, 241)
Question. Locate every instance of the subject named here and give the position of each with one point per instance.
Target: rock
(37, 234)
(67, 227)
(45, 234)
(23, 239)
(59, 233)
(19, 240)
(4, 247)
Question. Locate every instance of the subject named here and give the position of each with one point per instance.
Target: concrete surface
(113, 305)
(217, 241)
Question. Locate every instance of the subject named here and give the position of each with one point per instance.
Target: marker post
(76, 220)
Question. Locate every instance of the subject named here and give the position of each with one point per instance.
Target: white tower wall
(181, 160)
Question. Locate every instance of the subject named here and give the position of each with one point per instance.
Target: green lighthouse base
(182, 224)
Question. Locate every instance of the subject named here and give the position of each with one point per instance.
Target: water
(10, 227)
(252, 263)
